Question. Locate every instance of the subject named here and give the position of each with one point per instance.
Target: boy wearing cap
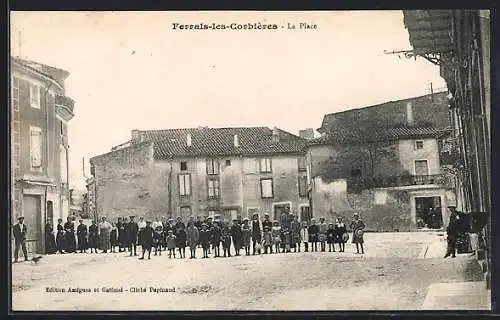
(93, 237)
(247, 234)
(20, 230)
(147, 240)
(193, 238)
(313, 235)
(267, 240)
(215, 236)
(357, 226)
(205, 239)
(158, 239)
(180, 241)
(226, 239)
(330, 237)
(323, 227)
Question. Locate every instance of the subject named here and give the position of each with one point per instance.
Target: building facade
(388, 162)
(458, 41)
(202, 172)
(40, 112)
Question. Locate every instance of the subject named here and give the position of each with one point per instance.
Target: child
(180, 241)
(286, 240)
(304, 236)
(226, 239)
(357, 227)
(215, 236)
(147, 240)
(323, 227)
(313, 235)
(341, 235)
(205, 239)
(247, 233)
(113, 237)
(267, 240)
(330, 237)
(171, 244)
(158, 239)
(276, 231)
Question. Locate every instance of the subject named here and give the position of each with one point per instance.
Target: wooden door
(32, 218)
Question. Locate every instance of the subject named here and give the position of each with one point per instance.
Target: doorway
(33, 219)
(279, 208)
(428, 212)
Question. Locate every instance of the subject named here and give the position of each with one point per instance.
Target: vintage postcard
(250, 160)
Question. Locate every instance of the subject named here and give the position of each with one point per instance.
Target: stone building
(202, 172)
(40, 112)
(388, 162)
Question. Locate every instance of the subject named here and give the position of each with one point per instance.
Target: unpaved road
(391, 276)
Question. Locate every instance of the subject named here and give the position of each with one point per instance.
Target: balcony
(64, 107)
(395, 181)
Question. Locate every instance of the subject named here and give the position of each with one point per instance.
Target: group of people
(253, 236)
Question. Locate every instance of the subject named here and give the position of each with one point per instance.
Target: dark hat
(132, 217)
(20, 218)
(203, 224)
(452, 206)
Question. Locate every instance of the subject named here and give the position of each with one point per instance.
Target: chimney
(307, 133)
(236, 141)
(188, 140)
(409, 114)
(276, 135)
(136, 135)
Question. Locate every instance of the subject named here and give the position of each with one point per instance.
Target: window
(212, 213)
(421, 168)
(230, 214)
(184, 184)
(212, 167)
(185, 212)
(265, 165)
(302, 164)
(266, 188)
(419, 144)
(35, 96)
(36, 147)
(184, 166)
(303, 186)
(228, 162)
(213, 189)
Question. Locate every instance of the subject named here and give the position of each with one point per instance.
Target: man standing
(256, 232)
(20, 231)
(285, 218)
(132, 233)
(236, 235)
(452, 232)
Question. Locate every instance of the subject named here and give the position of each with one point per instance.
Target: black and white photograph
(250, 160)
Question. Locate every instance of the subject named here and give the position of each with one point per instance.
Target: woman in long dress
(104, 235)
(69, 236)
(50, 240)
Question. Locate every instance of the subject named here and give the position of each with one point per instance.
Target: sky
(132, 70)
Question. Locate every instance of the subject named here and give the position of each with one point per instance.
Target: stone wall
(124, 182)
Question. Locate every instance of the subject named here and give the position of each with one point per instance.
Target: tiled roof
(54, 73)
(357, 136)
(428, 111)
(430, 30)
(220, 141)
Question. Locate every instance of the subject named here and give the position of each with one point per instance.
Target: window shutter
(36, 148)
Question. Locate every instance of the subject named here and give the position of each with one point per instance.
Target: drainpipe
(47, 162)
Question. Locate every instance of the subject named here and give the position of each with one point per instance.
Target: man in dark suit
(132, 231)
(20, 231)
